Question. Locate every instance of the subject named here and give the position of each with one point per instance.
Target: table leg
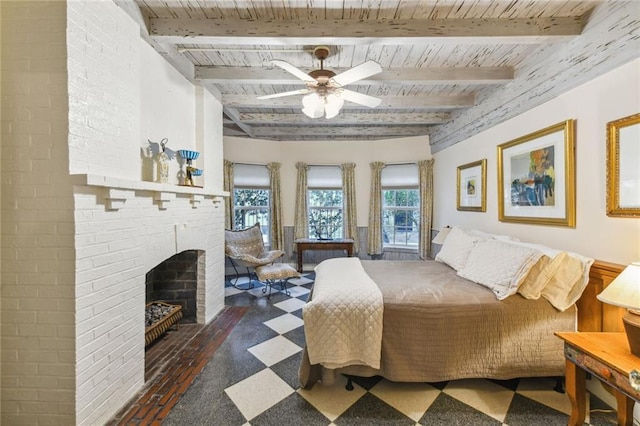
(576, 390)
(350, 250)
(625, 409)
(299, 259)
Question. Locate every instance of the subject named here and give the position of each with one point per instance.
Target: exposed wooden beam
(233, 131)
(394, 102)
(356, 32)
(425, 76)
(347, 118)
(348, 131)
(232, 114)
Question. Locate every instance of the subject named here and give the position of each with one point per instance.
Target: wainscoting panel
(315, 257)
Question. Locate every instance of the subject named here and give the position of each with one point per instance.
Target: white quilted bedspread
(343, 320)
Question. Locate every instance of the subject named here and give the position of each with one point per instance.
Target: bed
(435, 325)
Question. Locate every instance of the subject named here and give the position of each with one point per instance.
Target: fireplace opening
(171, 306)
(175, 281)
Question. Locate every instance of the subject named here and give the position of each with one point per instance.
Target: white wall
(167, 110)
(37, 335)
(104, 89)
(326, 152)
(609, 97)
(73, 268)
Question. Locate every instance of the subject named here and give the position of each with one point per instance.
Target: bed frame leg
(349, 385)
(559, 387)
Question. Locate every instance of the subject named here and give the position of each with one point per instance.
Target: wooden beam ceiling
(348, 118)
(357, 32)
(392, 102)
(422, 76)
(319, 132)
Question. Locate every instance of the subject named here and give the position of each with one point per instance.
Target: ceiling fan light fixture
(333, 105)
(313, 105)
(327, 88)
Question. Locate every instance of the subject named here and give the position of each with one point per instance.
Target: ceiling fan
(325, 93)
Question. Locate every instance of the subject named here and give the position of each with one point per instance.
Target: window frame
(340, 209)
(265, 228)
(384, 207)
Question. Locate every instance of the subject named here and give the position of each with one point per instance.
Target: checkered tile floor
(252, 380)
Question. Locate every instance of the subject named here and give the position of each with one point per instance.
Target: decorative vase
(163, 167)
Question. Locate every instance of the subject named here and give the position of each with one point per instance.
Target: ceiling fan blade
(359, 72)
(360, 98)
(293, 70)
(283, 94)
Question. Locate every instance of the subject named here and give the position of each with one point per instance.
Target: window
(325, 213)
(400, 217)
(251, 206)
(325, 206)
(251, 198)
(400, 206)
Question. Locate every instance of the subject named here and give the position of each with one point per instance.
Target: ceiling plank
(407, 102)
(347, 118)
(359, 32)
(325, 131)
(425, 76)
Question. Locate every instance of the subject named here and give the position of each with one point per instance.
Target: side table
(345, 244)
(606, 356)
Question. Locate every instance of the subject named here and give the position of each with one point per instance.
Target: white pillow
(456, 247)
(499, 266)
(568, 281)
(487, 235)
(551, 252)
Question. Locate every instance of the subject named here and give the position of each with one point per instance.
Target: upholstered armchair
(245, 248)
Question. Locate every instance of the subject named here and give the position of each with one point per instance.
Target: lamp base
(632, 328)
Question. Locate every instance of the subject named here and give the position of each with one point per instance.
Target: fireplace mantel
(118, 191)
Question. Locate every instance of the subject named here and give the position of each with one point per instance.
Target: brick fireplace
(175, 281)
(125, 232)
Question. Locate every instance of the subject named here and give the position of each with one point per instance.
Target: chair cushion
(244, 242)
(277, 271)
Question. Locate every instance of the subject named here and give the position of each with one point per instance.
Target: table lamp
(442, 235)
(624, 291)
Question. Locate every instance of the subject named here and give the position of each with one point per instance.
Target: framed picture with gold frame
(471, 183)
(536, 177)
(623, 167)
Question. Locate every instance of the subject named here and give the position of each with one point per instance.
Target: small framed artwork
(471, 184)
(623, 167)
(536, 177)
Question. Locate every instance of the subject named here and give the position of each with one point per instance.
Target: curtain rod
(327, 164)
(401, 163)
(249, 164)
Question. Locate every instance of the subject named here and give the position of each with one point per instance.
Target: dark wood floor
(171, 364)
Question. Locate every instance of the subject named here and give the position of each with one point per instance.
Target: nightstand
(606, 356)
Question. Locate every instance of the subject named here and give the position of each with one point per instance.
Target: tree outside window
(325, 214)
(251, 206)
(401, 217)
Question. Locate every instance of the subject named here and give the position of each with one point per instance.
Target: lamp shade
(624, 291)
(442, 235)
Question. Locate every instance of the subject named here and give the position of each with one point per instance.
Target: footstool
(276, 273)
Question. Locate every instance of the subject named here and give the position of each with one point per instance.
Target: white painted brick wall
(73, 281)
(38, 368)
(104, 90)
(111, 288)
